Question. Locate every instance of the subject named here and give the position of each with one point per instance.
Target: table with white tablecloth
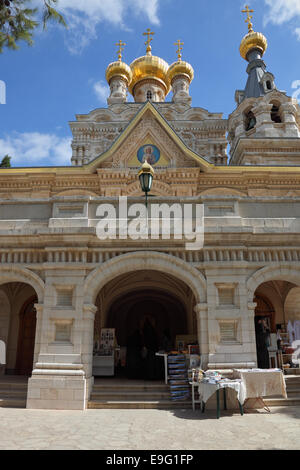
(207, 389)
(259, 383)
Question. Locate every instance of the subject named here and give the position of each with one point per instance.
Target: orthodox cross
(178, 52)
(249, 18)
(147, 43)
(121, 45)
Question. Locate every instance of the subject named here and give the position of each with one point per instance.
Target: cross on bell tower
(148, 33)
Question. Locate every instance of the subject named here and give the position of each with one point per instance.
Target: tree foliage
(18, 21)
(5, 162)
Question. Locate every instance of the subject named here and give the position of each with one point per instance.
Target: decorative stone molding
(10, 273)
(268, 273)
(149, 260)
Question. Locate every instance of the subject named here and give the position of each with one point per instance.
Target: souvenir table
(207, 389)
(259, 383)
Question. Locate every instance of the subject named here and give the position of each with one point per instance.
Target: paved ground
(149, 429)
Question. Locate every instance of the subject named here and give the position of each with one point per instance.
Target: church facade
(61, 282)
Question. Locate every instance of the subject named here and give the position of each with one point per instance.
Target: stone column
(87, 338)
(288, 115)
(250, 333)
(202, 325)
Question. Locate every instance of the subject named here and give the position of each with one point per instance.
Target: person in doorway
(262, 343)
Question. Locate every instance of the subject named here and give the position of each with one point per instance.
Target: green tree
(18, 21)
(5, 162)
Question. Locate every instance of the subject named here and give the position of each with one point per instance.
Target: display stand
(104, 357)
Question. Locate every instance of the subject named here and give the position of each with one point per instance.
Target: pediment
(148, 137)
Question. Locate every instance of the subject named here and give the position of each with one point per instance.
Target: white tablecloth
(261, 382)
(206, 390)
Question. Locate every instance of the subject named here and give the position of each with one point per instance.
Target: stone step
(139, 404)
(131, 388)
(148, 395)
(293, 401)
(13, 386)
(9, 402)
(13, 393)
(292, 393)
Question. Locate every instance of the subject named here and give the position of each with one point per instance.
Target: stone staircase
(292, 381)
(13, 392)
(126, 395)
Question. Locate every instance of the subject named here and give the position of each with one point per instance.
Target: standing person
(262, 343)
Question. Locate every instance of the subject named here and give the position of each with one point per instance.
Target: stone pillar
(87, 338)
(181, 86)
(250, 333)
(202, 326)
(118, 91)
(59, 379)
(264, 124)
(288, 115)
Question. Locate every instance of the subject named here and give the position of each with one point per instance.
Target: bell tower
(266, 119)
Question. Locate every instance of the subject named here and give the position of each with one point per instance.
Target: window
(275, 116)
(250, 121)
(269, 85)
(149, 95)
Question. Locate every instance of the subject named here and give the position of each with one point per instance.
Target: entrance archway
(149, 310)
(18, 326)
(270, 288)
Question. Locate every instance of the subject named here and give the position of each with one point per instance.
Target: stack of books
(178, 377)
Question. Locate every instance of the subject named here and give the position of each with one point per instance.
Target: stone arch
(268, 273)
(138, 261)
(14, 274)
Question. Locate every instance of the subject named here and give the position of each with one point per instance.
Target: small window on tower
(269, 85)
(275, 116)
(149, 95)
(250, 121)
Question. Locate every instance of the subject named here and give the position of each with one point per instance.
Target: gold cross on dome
(149, 39)
(121, 45)
(249, 18)
(178, 52)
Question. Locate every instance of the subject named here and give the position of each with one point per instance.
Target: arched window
(269, 85)
(250, 121)
(149, 95)
(275, 116)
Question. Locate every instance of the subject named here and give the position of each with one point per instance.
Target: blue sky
(63, 74)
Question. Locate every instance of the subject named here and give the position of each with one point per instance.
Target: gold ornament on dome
(149, 67)
(119, 68)
(180, 67)
(252, 40)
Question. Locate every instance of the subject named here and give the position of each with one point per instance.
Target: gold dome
(181, 68)
(150, 67)
(119, 69)
(253, 40)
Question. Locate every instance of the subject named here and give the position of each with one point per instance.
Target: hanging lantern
(146, 177)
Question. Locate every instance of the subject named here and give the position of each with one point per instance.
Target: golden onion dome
(150, 67)
(119, 69)
(253, 40)
(181, 67)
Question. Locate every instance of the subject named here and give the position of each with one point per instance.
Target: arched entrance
(18, 326)
(271, 288)
(150, 311)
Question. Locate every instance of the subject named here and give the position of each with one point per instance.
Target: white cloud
(102, 91)
(283, 11)
(36, 149)
(84, 16)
